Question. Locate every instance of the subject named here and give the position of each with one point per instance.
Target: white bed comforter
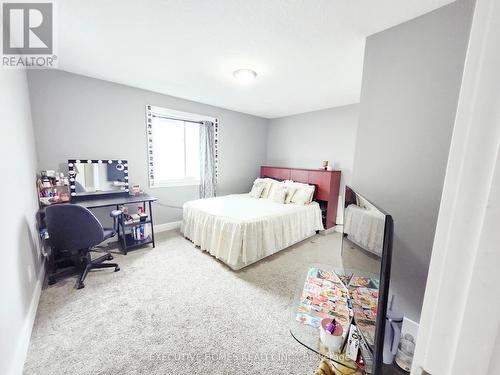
(365, 227)
(240, 230)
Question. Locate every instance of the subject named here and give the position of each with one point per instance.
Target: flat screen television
(367, 247)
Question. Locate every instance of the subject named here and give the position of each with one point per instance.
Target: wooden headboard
(327, 186)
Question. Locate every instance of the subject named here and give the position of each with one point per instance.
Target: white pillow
(312, 188)
(268, 183)
(290, 191)
(273, 185)
(256, 191)
(303, 195)
(306, 196)
(263, 182)
(278, 193)
(259, 181)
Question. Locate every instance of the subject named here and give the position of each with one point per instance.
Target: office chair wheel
(80, 285)
(117, 269)
(110, 257)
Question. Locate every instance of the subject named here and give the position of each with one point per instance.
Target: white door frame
(460, 321)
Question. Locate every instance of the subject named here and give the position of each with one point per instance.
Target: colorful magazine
(364, 294)
(324, 296)
(358, 281)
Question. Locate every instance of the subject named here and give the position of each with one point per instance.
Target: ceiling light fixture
(245, 76)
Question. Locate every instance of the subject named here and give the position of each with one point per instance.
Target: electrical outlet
(409, 332)
(410, 327)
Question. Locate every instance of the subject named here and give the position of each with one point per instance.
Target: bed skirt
(240, 243)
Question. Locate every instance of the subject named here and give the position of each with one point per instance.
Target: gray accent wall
(81, 117)
(411, 82)
(21, 272)
(305, 140)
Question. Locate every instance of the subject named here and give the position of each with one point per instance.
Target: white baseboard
(325, 232)
(167, 226)
(19, 357)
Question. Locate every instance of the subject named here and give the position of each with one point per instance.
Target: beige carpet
(176, 310)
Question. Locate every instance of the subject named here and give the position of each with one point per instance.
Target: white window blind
(174, 146)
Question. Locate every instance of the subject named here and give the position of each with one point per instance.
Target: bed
(240, 230)
(365, 227)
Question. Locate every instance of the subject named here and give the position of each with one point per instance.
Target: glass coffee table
(348, 295)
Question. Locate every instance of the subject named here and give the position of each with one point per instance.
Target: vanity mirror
(90, 177)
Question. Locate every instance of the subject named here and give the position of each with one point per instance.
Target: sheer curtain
(207, 160)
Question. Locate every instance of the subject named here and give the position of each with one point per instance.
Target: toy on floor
(324, 368)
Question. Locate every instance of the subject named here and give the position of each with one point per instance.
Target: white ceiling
(308, 53)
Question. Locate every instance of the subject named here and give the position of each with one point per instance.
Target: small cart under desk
(125, 237)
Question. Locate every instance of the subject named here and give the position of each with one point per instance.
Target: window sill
(174, 184)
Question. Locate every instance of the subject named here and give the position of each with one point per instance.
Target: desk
(63, 260)
(125, 239)
(114, 201)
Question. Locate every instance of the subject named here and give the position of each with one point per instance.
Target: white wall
(411, 82)
(305, 140)
(21, 263)
(81, 117)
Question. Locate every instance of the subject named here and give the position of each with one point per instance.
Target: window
(174, 146)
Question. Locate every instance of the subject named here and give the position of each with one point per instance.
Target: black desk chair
(76, 230)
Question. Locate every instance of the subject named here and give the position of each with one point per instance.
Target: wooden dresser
(327, 187)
